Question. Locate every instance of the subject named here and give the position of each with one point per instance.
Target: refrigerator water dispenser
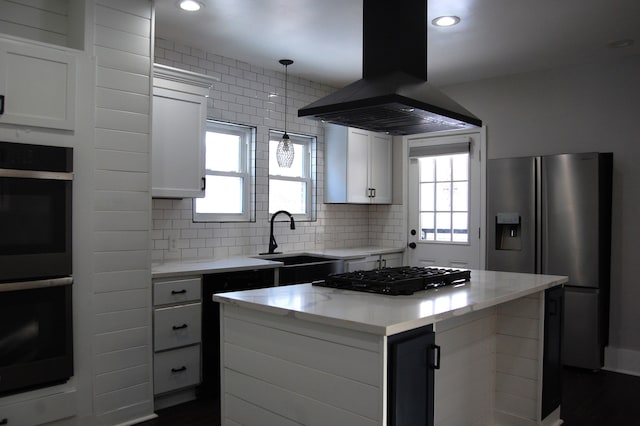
(508, 231)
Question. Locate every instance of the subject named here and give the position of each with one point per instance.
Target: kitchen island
(312, 355)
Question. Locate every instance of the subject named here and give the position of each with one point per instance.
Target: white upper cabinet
(37, 85)
(178, 132)
(358, 166)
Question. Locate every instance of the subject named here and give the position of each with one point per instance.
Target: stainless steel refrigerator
(552, 215)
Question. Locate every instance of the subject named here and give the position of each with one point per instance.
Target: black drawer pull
(179, 370)
(183, 291)
(180, 327)
(4, 422)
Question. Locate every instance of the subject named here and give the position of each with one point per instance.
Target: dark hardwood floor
(589, 398)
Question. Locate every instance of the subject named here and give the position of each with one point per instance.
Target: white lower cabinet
(37, 411)
(389, 260)
(177, 334)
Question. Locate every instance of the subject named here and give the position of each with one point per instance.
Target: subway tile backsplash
(242, 96)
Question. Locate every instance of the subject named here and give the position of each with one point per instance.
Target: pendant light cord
(286, 63)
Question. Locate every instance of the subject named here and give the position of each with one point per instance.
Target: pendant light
(284, 152)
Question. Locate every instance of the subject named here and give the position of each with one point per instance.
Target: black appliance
(35, 211)
(393, 95)
(403, 280)
(36, 336)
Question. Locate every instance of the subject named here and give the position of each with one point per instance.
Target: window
(444, 198)
(292, 189)
(229, 172)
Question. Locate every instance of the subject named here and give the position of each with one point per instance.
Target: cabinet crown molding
(176, 75)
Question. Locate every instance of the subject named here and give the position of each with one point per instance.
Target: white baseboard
(620, 360)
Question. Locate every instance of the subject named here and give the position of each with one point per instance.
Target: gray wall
(577, 109)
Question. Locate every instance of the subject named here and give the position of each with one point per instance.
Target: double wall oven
(36, 336)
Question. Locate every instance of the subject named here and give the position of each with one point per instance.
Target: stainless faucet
(272, 241)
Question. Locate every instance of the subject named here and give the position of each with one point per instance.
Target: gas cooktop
(403, 280)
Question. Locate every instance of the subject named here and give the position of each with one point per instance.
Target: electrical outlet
(173, 244)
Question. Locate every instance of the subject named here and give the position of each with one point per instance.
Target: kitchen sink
(303, 268)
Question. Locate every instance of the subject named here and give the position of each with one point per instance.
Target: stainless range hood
(393, 95)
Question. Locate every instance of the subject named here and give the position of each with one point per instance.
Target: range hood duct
(393, 95)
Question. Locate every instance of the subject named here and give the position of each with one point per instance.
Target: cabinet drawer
(40, 410)
(176, 326)
(176, 291)
(176, 369)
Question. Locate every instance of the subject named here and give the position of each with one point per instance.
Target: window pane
(223, 195)
(460, 227)
(287, 195)
(427, 226)
(460, 198)
(427, 197)
(460, 166)
(222, 152)
(443, 226)
(443, 196)
(427, 169)
(296, 169)
(443, 168)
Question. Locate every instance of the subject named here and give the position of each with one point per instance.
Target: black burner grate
(396, 281)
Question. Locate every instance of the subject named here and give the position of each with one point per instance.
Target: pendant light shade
(284, 152)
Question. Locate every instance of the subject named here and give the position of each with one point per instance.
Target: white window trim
(247, 172)
(309, 166)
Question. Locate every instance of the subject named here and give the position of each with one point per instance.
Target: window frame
(309, 166)
(247, 167)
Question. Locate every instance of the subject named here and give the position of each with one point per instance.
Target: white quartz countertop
(210, 266)
(388, 315)
(239, 263)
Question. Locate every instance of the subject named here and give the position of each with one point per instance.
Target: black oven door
(36, 341)
(35, 224)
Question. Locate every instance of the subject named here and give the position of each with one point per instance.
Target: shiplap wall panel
(123, 101)
(114, 321)
(121, 221)
(122, 21)
(333, 390)
(122, 279)
(122, 359)
(357, 364)
(245, 414)
(288, 404)
(119, 302)
(136, 8)
(125, 181)
(41, 21)
(125, 120)
(120, 340)
(123, 161)
(122, 240)
(122, 140)
(109, 382)
(122, 80)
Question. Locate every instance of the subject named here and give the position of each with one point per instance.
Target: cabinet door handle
(373, 193)
(180, 327)
(4, 421)
(435, 349)
(183, 291)
(179, 370)
(2, 112)
(204, 183)
(384, 263)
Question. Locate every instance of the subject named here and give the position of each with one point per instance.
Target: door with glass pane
(444, 201)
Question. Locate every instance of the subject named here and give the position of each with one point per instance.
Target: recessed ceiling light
(189, 5)
(445, 21)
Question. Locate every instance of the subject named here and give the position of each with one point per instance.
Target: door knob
(413, 232)
(412, 245)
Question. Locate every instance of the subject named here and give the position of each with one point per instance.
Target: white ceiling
(324, 37)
